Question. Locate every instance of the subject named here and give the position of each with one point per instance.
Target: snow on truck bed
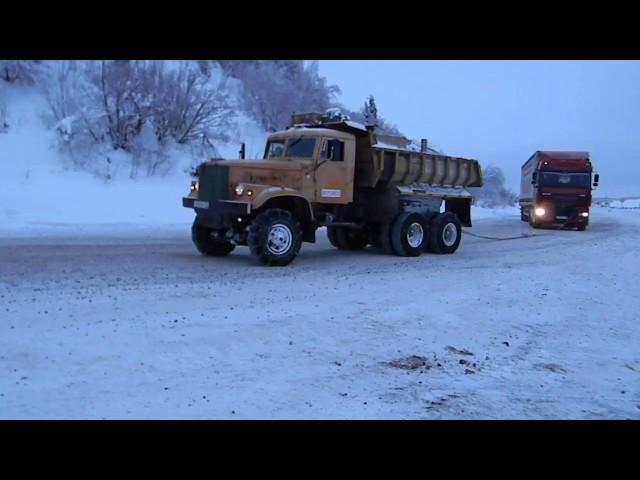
(125, 323)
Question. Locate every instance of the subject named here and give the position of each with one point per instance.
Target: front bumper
(563, 218)
(217, 213)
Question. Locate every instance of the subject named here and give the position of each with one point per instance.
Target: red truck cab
(555, 189)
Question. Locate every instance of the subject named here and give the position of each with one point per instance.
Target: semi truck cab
(556, 189)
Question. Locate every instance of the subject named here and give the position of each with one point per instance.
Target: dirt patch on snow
(410, 363)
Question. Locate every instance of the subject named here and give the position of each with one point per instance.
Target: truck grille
(214, 182)
(565, 211)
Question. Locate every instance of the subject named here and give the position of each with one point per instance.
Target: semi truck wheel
(409, 234)
(445, 234)
(582, 228)
(206, 244)
(275, 237)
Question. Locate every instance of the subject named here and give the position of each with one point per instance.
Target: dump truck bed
(380, 161)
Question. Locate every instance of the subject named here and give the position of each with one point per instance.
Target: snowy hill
(39, 189)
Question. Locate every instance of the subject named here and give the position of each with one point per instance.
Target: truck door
(334, 171)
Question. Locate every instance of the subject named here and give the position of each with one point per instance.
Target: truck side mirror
(242, 151)
(596, 180)
(534, 178)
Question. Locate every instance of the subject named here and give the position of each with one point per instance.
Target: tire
(275, 237)
(385, 238)
(350, 239)
(409, 234)
(445, 233)
(523, 216)
(375, 238)
(331, 235)
(204, 242)
(581, 228)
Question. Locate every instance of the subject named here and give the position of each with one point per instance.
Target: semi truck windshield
(563, 179)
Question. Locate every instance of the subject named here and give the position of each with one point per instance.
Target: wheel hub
(449, 234)
(279, 239)
(415, 235)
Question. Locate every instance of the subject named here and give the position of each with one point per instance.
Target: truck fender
(289, 199)
(461, 207)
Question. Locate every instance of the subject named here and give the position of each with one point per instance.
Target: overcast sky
(500, 112)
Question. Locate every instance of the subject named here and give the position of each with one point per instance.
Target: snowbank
(39, 192)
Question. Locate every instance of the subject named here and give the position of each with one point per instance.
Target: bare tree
(277, 88)
(494, 192)
(23, 71)
(189, 105)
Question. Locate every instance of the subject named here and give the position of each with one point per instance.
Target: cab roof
(551, 155)
(298, 132)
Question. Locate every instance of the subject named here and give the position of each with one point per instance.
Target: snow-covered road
(118, 322)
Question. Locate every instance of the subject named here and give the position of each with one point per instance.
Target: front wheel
(446, 233)
(275, 237)
(205, 242)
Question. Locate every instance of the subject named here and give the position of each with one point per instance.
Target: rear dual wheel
(411, 233)
(446, 233)
(347, 238)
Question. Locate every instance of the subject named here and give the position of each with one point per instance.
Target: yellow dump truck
(366, 188)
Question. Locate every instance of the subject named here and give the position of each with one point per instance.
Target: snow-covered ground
(104, 323)
(630, 203)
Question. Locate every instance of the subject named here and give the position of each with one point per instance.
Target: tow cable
(523, 235)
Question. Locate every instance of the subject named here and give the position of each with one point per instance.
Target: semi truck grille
(568, 199)
(565, 211)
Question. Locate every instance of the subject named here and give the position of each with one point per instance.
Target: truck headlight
(239, 189)
(194, 186)
(584, 214)
(540, 212)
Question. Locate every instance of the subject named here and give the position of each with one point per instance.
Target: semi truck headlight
(239, 189)
(540, 212)
(584, 214)
(194, 186)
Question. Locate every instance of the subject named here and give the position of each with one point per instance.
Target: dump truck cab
(327, 159)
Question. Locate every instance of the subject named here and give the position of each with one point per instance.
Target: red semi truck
(555, 189)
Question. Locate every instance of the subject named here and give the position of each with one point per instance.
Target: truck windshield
(274, 149)
(565, 179)
(301, 147)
